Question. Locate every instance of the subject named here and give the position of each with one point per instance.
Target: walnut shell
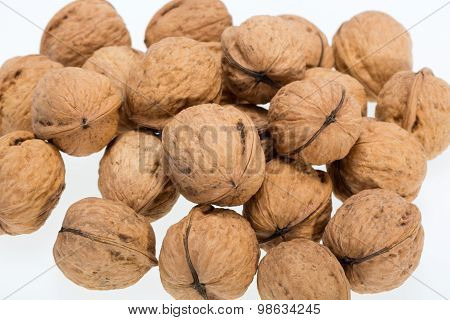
(371, 47)
(131, 171)
(210, 254)
(315, 119)
(419, 103)
(104, 245)
(81, 28)
(260, 56)
(18, 79)
(351, 85)
(184, 73)
(214, 155)
(306, 197)
(301, 269)
(201, 20)
(76, 109)
(316, 50)
(378, 237)
(116, 64)
(385, 156)
(29, 189)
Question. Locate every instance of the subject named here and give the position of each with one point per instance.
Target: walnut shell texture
(104, 245)
(378, 237)
(351, 85)
(301, 269)
(371, 47)
(419, 103)
(306, 197)
(131, 171)
(18, 79)
(29, 190)
(210, 254)
(116, 64)
(260, 56)
(214, 155)
(184, 73)
(385, 156)
(201, 20)
(316, 120)
(316, 49)
(81, 28)
(76, 109)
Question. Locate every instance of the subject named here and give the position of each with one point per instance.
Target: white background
(26, 262)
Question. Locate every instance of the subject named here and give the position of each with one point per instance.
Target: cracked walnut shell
(76, 109)
(131, 171)
(378, 238)
(210, 254)
(201, 20)
(306, 197)
(81, 28)
(104, 245)
(419, 103)
(301, 269)
(29, 189)
(214, 155)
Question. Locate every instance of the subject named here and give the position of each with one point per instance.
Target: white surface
(24, 258)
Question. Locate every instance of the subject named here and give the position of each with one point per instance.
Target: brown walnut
(104, 245)
(210, 254)
(378, 238)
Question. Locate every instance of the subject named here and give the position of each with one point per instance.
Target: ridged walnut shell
(131, 171)
(351, 85)
(306, 197)
(210, 254)
(184, 73)
(201, 20)
(372, 47)
(18, 79)
(301, 269)
(104, 245)
(260, 56)
(81, 28)
(116, 64)
(315, 120)
(316, 49)
(31, 182)
(214, 155)
(76, 109)
(419, 103)
(378, 237)
(385, 156)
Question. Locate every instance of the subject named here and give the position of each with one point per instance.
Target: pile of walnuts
(185, 118)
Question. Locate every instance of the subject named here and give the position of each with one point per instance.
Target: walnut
(315, 120)
(210, 254)
(131, 171)
(201, 20)
(76, 109)
(104, 245)
(385, 156)
(214, 155)
(378, 238)
(371, 47)
(116, 64)
(301, 269)
(419, 103)
(18, 78)
(260, 56)
(306, 197)
(29, 189)
(184, 73)
(81, 28)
